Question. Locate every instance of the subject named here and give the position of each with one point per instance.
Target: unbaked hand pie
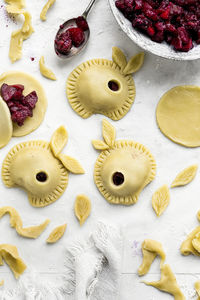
(178, 115)
(104, 86)
(123, 168)
(23, 105)
(40, 168)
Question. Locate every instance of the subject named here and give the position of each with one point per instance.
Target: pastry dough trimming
(168, 283)
(45, 71)
(150, 250)
(15, 221)
(11, 256)
(187, 247)
(18, 36)
(45, 9)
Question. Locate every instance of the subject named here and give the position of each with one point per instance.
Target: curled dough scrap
(196, 242)
(18, 36)
(45, 71)
(15, 221)
(45, 9)
(187, 247)
(56, 234)
(150, 249)
(82, 208)
(160, 200)
(185, 176)
(11, 256)
(168, 283)
(197, 288)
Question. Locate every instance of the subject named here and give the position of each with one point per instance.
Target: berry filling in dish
(177, 22)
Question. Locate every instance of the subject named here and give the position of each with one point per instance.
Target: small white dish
(163, 49)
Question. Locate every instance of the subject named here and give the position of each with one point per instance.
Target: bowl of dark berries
(167, 28)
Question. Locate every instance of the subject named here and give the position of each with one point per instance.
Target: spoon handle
(86, 12)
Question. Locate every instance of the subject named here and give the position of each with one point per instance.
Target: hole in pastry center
(113, 85)
(41, 177)
(118, 178)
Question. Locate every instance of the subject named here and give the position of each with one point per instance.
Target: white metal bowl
(163, 49)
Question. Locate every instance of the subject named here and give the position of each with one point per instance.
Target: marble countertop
(138, 221)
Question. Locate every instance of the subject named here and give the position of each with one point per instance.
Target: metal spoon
(72, 23)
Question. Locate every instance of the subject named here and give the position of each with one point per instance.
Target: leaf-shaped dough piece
(59, 140)
(99, 145)
(56, 234)
(196, 242)
(160, 199)
(71, 164)
(82, 208)
(185, 176)
(119, 58)
(109, 133)
(134, 64)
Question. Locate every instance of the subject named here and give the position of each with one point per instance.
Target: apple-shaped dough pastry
(123, 168)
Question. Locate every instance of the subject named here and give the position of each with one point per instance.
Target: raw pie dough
(167, 283)
(82, 208)
(18, 36)
(197, 288)
(45, 9)
(192, 244)
(88, 91)
(30, 84)
(34, 166)
(56, 234)
(45, 71)
(185, 176)
(150, 250)
(160, 200)
(11, 256)
(178, 115)
(123, 168)
(15, 221)
(6, 126)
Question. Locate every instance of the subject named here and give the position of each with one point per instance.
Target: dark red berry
(77, 36)
(63, 42)
(82, 23)
(20, 106)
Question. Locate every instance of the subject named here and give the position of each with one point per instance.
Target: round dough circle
(178, 115)
(6, 127)
(30, 84)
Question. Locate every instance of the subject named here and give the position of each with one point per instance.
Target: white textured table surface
(139, 221)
